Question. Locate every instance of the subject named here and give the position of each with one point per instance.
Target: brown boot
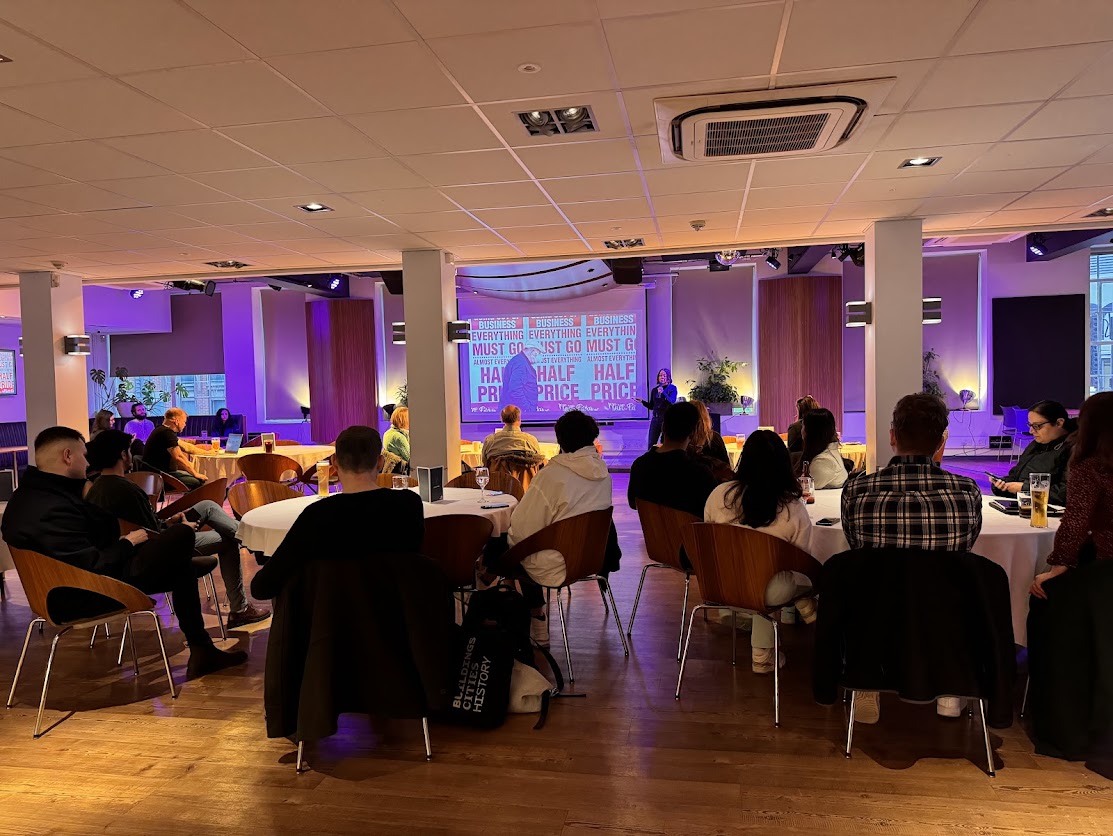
(248, 615)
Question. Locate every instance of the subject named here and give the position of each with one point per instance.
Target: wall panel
(340, 336)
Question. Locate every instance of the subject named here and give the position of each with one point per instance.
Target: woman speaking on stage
(661, 397)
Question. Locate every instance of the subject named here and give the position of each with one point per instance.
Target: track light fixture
(137, 293)
(772, 260)
(1037, 245)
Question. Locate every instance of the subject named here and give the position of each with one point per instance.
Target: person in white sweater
(765, 496)
(821, 451)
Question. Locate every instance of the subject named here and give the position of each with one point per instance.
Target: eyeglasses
(1037, 425)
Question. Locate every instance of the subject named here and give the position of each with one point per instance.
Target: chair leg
(170, 605)
(131, 641)
(428, 746)
(988, 747)
(46, 683)
(19, 664)
(107, 630)
(564, 633)
(850, 725)
(162, 649)
(637, 597)
(211, 583)
(776, 673)
(1024, 700)
(300, 766)
(603, 595)
(123, 640)
(733, 638)
(93, 638)
(683, 614)
(614, 612)
(687, 641)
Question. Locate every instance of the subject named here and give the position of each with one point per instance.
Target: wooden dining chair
(664, 530)
(100, 599)
(522, 468)
(734, 565)
(499, 481)
(246, 496)
(269, 467)
(455, 542)
(213, 491)
(151, 483)
(386, 480)
(582, 542)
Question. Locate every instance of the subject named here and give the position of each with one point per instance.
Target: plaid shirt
(912, 504)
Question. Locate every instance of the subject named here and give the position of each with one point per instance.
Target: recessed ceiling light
(227, 264)
(561, 120)
(1104, 212)
(624, 243)
(4, 59)
(529, 68)
(314, 207)
(920, 162)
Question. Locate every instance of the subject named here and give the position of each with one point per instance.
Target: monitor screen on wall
(548, 358)
(7, 372)
(1039, 350)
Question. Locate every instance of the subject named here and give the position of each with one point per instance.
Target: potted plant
(119, 391)
(714, 388)
(932, 384)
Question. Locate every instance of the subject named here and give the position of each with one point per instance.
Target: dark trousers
(165, 564)
(187, 479)
(656, 424)
(492, 560)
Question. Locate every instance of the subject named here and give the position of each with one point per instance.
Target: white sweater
(827, 469)
(569, 485)
(792, 522)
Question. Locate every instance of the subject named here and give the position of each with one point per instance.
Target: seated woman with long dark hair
(224, 424)
(795, 440)
(821, 450)
(765, 495)
(1049, 452)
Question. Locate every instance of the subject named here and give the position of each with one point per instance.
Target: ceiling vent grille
(764, 136)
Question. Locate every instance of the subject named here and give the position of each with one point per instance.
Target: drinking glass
(323, 473)
(268, 446)
(204, 433)
(1024, 503)
(482, 477)
(400, 483)
(1041, 491)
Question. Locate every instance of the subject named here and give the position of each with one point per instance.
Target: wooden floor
(121, 757)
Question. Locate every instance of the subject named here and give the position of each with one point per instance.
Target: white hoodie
(569, 485)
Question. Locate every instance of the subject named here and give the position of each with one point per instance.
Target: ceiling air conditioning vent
(766, 129)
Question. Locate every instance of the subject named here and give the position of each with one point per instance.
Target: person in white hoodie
(574, 482)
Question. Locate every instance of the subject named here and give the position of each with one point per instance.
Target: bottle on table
(807, 485)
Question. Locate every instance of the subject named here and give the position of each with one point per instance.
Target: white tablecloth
(474, 458)
(215, 466)
(263, 529)
(6, 562)
(1008, 541)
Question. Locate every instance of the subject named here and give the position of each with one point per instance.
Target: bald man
(47, 514)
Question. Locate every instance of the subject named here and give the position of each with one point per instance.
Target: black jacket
(1043, 458)
(47, 514)
(922, 624)
(795, 439)
(364, 633)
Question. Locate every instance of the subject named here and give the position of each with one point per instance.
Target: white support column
(432, 371)
(894, 342)
(56, 386)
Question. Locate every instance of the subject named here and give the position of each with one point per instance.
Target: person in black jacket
(1049, 452)
(661, 397)
(669, 475)
(47, 514)
(795, 439)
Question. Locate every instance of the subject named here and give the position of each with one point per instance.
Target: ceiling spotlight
(314, 207)
(858, 256)
(728, 257)
(836, 253)
(335, 283)
(919, 162)
(208, 288)
(577, 119)
(4, 59)
(537, 118)
(572, 113)
(771, 260)
(1104, 212)
(227, 264)
(1037, 245)
(624, 243)
(137, 293)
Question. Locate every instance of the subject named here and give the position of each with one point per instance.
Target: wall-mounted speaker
(626, 270)
(393, 281)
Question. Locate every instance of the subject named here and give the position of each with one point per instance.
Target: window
(1101, 323)
(197, 394)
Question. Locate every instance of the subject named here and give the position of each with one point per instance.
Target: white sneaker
(867, 707)
(761, 660)
(539, 630)
(949, 706)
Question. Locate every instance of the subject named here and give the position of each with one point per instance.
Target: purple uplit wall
(286, 368)
(112, 311)
(194, 346)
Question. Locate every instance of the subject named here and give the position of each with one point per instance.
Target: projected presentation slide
(549, 359)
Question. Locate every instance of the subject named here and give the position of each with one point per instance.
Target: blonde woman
(397, 438)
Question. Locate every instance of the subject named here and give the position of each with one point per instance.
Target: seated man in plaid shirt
(912, 503)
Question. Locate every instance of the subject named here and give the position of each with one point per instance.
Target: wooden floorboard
(122, 757)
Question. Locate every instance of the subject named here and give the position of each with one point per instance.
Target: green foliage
(402, 394)
(120, 388)
(932, 384)
(715, 386)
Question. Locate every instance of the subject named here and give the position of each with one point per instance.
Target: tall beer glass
(1041, 490)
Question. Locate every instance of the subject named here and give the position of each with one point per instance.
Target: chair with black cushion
(664, 530)
(66, 598)
(499, 481)
(734, 565)
(456, 541)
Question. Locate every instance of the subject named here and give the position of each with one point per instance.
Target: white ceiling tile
(126, 35)
(402, 75)
(21, 129)
(1038, 153)
(959, 126)
(991, 182)
(1024, 76)
(966, 203)
(346, 259)
(291, 26)
(475, 255)
(671, 48)
(275, 231)
(535, 234)
(319, 245)
(1063, 198)
(351, 228)
(1023, 217)
(633, 8)
(793, 196)
(84, 160)
(498, 195)
(388, 201)
(599, 187)
(894, 188)
(423, 222)
(953, 222)
(187, 152)
(254, 249)
(427, 130)
(1070, 117)
(128, 240)
(578, 159)
(464, 238)
(1096, 81)
(98, 107)
(1027, 24)
(397, 240)
(572, 57)
(697, 205)
(9, 250)
(298, 261)
(572, 247)
(33, 62)
(787, 215)
(954, 158)
(848, 33)
(907, 76)
(229, 94)
(257, 183)
(148, 219)
(462, 169)
(205, 236)
(697, 179)
(624, 228)
(1105, 155)
(14, 174)
(306, 141)
(713, 221)
(63, 245)
(521, 216)
(76, 225)
(360, 175)
(1083, 176)
(440, 18)
(800, 171)
(606, 210)
(875, 209)
(228, 212)
(836, 229)
(168, 190)
(751, 235)
(69, 197)
(15, 230)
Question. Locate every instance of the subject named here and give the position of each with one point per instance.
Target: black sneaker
(210, 659)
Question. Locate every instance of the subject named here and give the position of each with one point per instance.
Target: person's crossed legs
(222, 542)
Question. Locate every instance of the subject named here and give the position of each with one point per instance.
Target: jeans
(782, 588)
(187, 479)
(164, 564)
(656, 425)
(221, 541)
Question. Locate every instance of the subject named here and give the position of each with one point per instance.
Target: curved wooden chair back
(499, 481)
(391, 462)
(246, 496)
(40, 575)
(287, 442)
(268, 467)
(455, 541)
(386, 480)
(735, 564)
(171, 484)
(664, 530)
(151, 483)
(581, 540)
(521, 468)
(213, 491)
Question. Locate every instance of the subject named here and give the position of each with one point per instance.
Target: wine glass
(482, 477)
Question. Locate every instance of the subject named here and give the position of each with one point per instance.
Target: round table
(1009, 541)
(263, 529)
(226, 465)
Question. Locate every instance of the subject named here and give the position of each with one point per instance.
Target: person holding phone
(661, 397)
(1049, 452)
